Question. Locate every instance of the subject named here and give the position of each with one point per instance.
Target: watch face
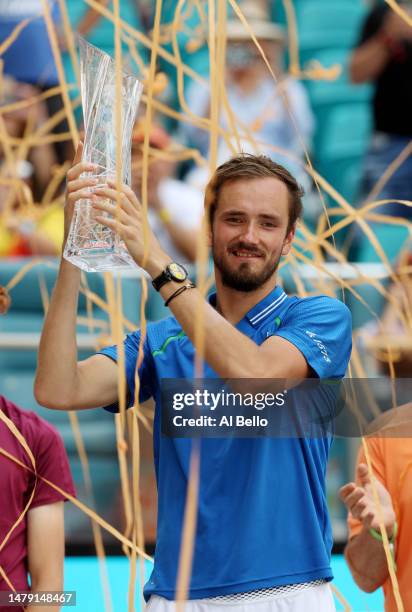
(177, 271)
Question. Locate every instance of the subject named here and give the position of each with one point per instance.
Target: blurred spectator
(257, 102)
(175, 209)
(393, 330)
(391, 455)
(37, 233)
(29, 59)
(35, 545)
(190, 40)
(26, 229)
(38, 172)
(396, 320)
(29, 230)
(384, 56)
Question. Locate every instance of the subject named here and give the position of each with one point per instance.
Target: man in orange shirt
(390, 452)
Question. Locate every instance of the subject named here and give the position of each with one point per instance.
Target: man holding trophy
(250, 488)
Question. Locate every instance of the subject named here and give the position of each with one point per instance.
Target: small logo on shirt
(320, 345)
(272, 331)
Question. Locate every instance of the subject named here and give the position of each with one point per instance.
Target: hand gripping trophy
(91, 246)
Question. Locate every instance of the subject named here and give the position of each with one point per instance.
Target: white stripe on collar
(266, 311)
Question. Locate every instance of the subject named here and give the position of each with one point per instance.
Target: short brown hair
(251, 166)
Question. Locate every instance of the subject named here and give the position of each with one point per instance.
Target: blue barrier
(82, 575)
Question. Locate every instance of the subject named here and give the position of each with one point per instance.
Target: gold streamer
(96, 530)
(85, 509)
(400, 11)
(382, 528)
(313, 242)
(14, 35)
(60, 71)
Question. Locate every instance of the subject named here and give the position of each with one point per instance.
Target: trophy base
(100, 260)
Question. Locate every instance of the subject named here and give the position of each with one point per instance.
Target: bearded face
(244, 267)
(249, 233)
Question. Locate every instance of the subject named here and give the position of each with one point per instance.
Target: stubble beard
(244, 279)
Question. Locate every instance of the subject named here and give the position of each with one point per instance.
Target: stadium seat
(393, 240)
(27, 295)
(325, 94)
(18, 370)
(26, 314)
(106, 497)
(27, 310)
(344, 174)
(344, 133)
(96, 426)
(340, 145)
(328, 24)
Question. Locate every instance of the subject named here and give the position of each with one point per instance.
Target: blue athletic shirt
(262, 513)
(29, 58)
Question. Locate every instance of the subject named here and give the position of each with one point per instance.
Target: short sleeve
(354, 525)
(373, 23)
(146, 369)
(52, 464)
(321, 328)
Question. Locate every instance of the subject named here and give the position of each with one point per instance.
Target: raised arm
(370, 58)
(61, 381)
(228, 351)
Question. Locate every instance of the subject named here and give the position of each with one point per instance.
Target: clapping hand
(360, 501)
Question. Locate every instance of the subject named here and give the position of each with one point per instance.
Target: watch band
(179, 275)
(161, 280)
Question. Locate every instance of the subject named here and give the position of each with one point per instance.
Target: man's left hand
(127, 220)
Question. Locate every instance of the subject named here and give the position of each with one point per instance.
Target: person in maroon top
(24, 551)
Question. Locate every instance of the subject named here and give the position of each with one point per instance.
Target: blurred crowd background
(337, 115)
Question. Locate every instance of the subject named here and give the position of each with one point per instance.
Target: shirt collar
(267, 306)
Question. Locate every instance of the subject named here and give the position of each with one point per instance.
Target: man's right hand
(77, 188)
(360, 501)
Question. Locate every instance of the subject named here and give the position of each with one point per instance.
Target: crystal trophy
(90, 245)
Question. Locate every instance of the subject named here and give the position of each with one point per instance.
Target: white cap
(258, 19)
